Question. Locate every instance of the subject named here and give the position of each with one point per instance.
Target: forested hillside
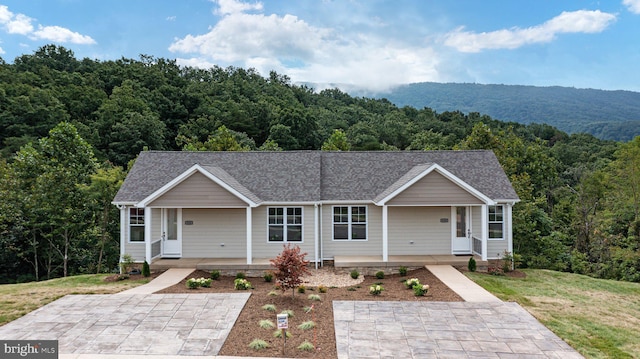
(611, 115)
(69, 129)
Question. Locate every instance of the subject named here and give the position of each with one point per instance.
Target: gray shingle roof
(304, 176)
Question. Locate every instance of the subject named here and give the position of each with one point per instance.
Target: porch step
(406, 261)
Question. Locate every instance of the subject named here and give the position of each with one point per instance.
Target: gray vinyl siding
(211, 229)
(422, 226)
(370, 247)
(434, 189)
(198, 191)
(476, 222)
(137, 249)
(262, 248)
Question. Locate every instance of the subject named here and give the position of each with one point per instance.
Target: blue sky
(370, 44)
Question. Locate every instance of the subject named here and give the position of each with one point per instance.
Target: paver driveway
(169, 324)
(442, 330)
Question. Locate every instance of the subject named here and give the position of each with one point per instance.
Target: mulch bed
(247, 328)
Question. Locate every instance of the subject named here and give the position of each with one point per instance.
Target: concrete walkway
(459, 283)
(164, 280)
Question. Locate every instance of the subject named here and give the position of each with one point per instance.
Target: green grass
(599, 318)
(17, 300)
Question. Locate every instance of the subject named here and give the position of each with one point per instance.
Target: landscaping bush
(355, 274)
(146, 271)
(302, 289)
(380, 274)
(322, 289)
(241, 284)
(241, 275)
(268, 277)
(376, 289)
(420, 290)
(402, 271)
(215, 274)
(289, 268)
(471, 265)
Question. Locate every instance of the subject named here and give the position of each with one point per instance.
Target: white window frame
(140, 215)
(494, 221)
(350, 224)
(285, 224)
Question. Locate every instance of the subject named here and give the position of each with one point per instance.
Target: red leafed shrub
(289, 268)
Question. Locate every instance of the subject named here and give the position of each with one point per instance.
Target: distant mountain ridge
(611, 115)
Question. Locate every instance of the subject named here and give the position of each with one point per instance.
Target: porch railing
(477, 246)
(156, 248)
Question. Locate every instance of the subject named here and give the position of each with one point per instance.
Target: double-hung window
(496, 222)
(285, 224)
(350, 223)
(136, 224)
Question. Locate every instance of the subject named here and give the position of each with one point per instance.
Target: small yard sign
(283, 321)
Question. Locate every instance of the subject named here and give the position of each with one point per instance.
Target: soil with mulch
(247, 327)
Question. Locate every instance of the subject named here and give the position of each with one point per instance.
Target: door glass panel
(461, 222)
(172, 224)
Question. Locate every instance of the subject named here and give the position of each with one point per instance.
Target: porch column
(484, 215)
(316, 219)
(385, 233)
(123, 230)
(249, 235)
(147, 234)
(508, 229)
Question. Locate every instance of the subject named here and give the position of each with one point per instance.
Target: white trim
(124, 229)
(164, 220)
(445, 173)
(350, 224)
(250, 235)
(509, 233)
(484, 216)
(385, 233)
(147, 235)
(454, 229)
(186, 174)
(316, 238)
(285, 225)
(347, 202)
(128, 221)
(504, 216)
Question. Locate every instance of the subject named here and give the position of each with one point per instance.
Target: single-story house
(246, 205)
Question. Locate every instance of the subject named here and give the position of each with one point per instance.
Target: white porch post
(509, 229)
(316, 219)
(484, 214)
(385, 233)
(123, 230)
(147, 234)
(249, 236)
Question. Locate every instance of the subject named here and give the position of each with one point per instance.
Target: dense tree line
(70, 128)
(612, 115)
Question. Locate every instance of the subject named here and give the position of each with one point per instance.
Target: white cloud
(61, 34)
(306, 53)
(171, 18)
(632, 5)
(228, 7)
(581, 21)
(21, 24)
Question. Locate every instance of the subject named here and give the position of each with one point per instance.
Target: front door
(171, 233)
(461, 228)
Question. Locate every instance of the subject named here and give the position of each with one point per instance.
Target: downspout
(321, 239)
(385, 233)
(249, 235)
(485, 230)
(147, 233)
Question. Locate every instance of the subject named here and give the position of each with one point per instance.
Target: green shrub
(306, 346)
(355, 274)
(269, 307)
(278, 334)
(241, 284)
(322, 289)
(410, 283)
(266, 324)
(215, 274)
(307, 325)
(127, 264)
(402, 271)
(314, 297)
(146, 271)
(302, 289)
(471, 265)
(268, 277)
(420, 290)
(380, 274)
(241, 275)
(258, 344)
(376, 289)
(288, 312)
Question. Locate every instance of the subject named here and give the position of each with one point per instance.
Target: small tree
(289, 268)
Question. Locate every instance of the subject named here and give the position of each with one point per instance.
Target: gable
(197, 191)
(434, 189)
